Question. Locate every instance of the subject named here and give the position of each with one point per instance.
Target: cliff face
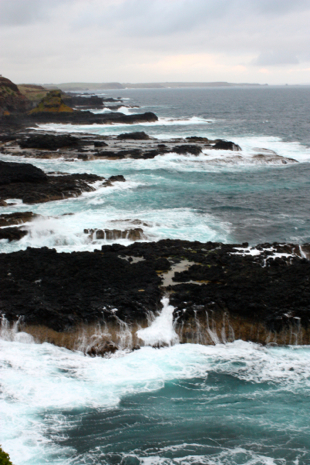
(52, 103)
(11, 100)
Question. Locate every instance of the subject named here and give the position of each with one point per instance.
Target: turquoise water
(188, 404)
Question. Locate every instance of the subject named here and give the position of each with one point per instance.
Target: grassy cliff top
(33, 92)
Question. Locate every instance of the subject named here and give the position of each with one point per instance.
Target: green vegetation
(4, 458)
(53, 103)
(33, 92)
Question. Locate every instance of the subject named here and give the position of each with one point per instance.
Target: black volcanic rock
(226, 145)
(20, 173)
(61, 290)
(30, 184)
(54, 188)
(49, 141)
(185, 149)
(87, 101)
(117, 178)
(86, 117)
(12, 234)
(134, 136)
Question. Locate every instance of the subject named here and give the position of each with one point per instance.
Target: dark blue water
(261, 111)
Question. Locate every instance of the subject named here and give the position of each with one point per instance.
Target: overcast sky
(54, 41)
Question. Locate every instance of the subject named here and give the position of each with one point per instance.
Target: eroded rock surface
(219, 291)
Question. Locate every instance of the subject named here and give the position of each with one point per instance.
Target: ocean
(228, 404)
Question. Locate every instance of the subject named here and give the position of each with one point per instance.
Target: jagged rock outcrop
(11, 99)
(52, 103)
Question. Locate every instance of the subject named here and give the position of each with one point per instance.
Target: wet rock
(100, 143)
(226, 145)
(20, 173)
(102, 349)
(197, 139)
(134, 136)
(10, 219)
(49, 189)
(185, 149)
(135, 234)
(273, 159)
(87, 117)
(12, 234)
(49, 141)
(117, 178)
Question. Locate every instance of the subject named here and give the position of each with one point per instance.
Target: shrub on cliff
(4, 458)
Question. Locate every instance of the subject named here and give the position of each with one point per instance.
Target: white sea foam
(114, 127)
(161, 331)
(65, 233)
(123, 109)
(38, 381)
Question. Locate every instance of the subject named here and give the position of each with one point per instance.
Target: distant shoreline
(82, 86)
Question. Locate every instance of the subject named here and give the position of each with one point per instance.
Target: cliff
(33, 92)
(11, 99)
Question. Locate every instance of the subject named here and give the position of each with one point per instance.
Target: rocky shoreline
(220, 292)
(128, 145)
(97, 301)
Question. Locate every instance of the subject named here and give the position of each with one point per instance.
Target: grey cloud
(106, 38)
(23, 12)
(158, 17)
(280, 7)
(276, 58)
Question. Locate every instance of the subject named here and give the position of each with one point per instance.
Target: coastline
(98, 301)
